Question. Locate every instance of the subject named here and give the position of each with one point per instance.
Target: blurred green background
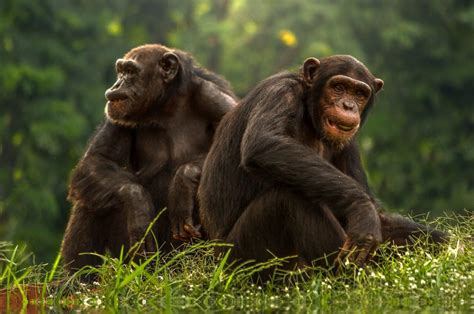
(57, 58)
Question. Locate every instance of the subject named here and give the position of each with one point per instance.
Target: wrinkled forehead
(361, 75)
(144, 55)
(349, 66)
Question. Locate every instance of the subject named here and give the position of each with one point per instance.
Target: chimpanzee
(161, 115)
(284, 177)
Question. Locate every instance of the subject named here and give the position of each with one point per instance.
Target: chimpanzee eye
(339, 88)
(360, 94)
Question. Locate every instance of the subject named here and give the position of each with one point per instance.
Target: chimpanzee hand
(356, 251)
(182, 226)
(363, 237)
(181, 205)
(139, 208)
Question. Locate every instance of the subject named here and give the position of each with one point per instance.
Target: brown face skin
(342, 104)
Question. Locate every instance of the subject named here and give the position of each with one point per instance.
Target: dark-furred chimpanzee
(284, 177)
(161, 116)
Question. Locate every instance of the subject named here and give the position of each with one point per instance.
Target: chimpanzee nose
(348, 105)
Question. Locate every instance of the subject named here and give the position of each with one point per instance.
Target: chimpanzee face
(142, 78)
(341, 98)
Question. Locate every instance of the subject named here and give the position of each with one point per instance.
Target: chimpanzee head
(341, 92)
(146, 77)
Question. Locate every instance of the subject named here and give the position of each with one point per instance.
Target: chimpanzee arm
(211, 101)
(270, 149)
(182, 200)
(348, 161)
(104, 169)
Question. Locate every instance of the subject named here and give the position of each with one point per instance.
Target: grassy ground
(418, 279)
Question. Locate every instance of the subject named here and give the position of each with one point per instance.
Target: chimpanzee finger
(361, 256)
(192, 230)
(343, 254)
(366, 249)
(345, 250)
(183, 234)
(175, 231)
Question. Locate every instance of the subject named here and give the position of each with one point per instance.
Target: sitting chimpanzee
(284, 177)
(161, 115)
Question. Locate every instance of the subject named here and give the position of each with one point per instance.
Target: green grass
(418, 279)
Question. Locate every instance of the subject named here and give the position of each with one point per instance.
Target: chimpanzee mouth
(118, 102)
(341, 126)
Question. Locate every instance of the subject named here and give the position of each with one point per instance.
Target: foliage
(57, 59)
(421, 137)
(417, 279)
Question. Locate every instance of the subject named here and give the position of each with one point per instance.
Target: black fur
(136, 163)
(270, 174)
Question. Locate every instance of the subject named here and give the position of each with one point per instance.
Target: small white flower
(143, 301)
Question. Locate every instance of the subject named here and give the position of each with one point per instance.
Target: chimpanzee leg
(84, 233)
(402, 231)
(116, 233)
(279, 223)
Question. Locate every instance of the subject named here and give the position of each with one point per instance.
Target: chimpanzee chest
(157, 154)
(156, 150)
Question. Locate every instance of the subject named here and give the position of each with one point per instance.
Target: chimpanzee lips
(341, 126)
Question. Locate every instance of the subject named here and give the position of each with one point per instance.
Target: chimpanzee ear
(170, 65)
(378, 84)
(310, 66)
